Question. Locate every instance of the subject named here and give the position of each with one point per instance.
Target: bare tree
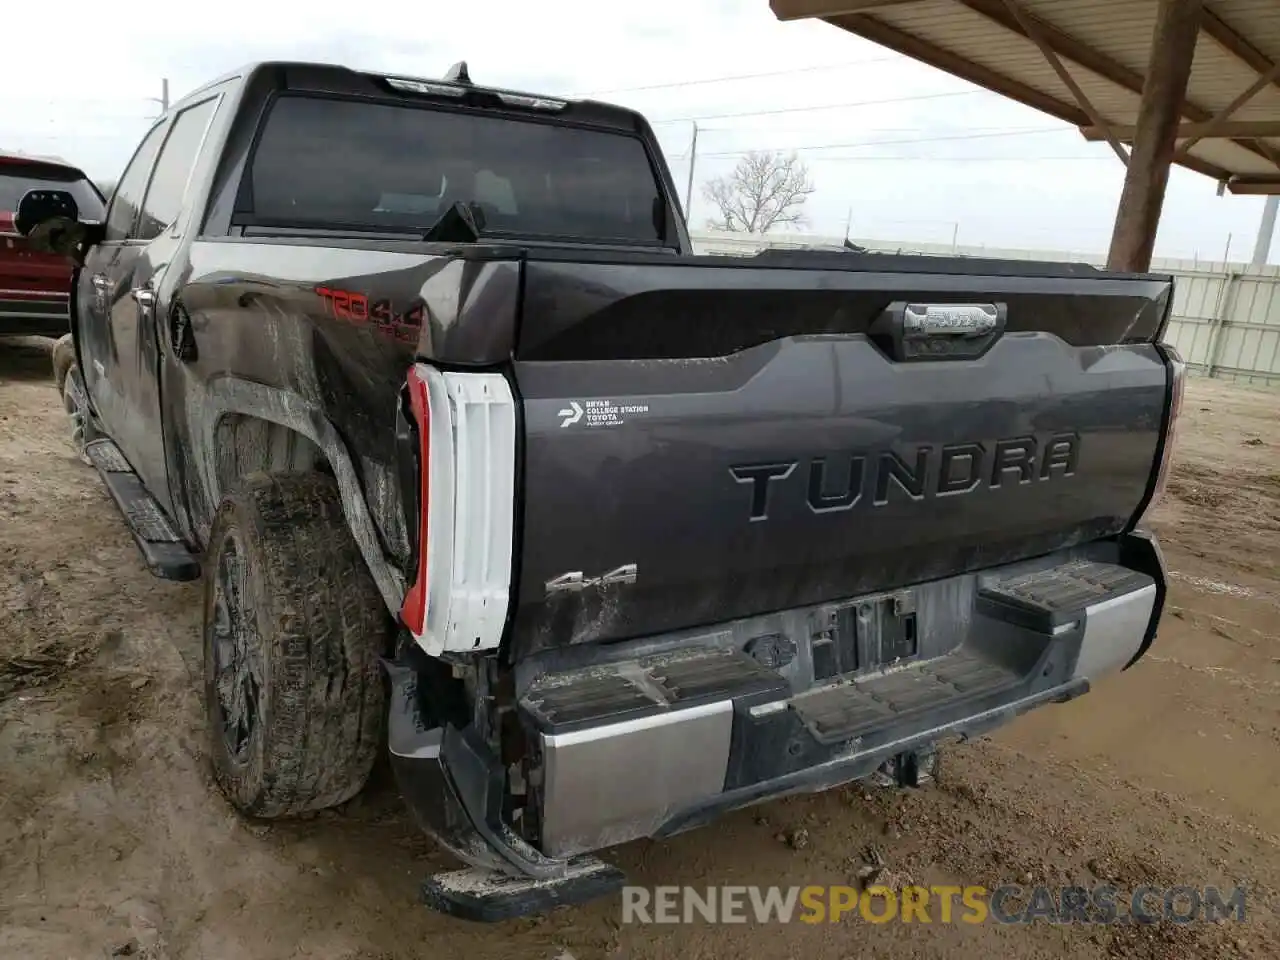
(764, 190)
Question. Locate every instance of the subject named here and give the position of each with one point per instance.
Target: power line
(879, 131)
(73, 134)
(77, 135)
(741, 76)
(748, 113)
(779, 111)
(808, 129)
(1006, 159)
(80, 135)
(47, 101)
(823, 106)
(684, 158)
(886, 143)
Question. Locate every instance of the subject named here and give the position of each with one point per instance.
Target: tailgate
(705, 441)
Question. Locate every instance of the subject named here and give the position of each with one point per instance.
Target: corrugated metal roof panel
(982, 40)
(1217, 78)
(1230, 156)
(960, 30)
(1256, 20)
(1119, 29)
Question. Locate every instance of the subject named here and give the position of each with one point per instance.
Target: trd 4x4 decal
(352, 307)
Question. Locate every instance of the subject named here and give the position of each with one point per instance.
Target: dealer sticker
(599, 413)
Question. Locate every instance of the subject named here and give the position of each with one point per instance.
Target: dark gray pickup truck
(600, 538)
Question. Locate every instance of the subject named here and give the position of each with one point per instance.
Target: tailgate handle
(911, 330)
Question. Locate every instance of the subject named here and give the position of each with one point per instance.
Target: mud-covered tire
(295, 720)
(64, 357)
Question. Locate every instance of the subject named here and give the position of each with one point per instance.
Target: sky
(897, 150)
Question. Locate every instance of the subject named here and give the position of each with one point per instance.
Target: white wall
(1226, 316)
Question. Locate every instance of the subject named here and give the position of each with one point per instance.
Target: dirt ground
(113, 840)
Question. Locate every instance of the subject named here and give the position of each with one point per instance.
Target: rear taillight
(1177, 386)
(465, 422)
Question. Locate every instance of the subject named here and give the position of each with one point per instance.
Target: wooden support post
(1173, 45)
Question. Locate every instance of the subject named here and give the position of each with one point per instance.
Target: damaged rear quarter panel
(282, 377)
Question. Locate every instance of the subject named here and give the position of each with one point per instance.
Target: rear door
(123, 280)
(742, 440)
(136, 311)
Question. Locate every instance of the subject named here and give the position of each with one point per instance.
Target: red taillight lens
(1177, 387)
(414, 611)
(466, 509)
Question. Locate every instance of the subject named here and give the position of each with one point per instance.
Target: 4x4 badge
(576, 581)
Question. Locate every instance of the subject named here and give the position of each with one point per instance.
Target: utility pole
(163, 99)
(1265, 230)
(693, 162)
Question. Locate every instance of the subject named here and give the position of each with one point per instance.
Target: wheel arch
(243, 427)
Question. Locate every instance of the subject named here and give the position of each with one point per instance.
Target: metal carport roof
(1088, 62)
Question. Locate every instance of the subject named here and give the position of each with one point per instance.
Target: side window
(133, 183)
(169, 182)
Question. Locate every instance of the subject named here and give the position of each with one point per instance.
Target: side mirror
(50, 220)
(37, 206)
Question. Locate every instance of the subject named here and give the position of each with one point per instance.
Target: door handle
(145, 296)
(100, 282)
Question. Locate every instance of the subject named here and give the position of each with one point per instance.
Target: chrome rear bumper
(657, 744)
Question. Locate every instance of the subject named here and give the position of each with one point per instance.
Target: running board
(488, 896)
(164, 551)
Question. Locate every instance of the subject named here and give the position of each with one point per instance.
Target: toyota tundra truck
(481, 465)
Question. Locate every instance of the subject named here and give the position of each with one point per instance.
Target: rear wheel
(75, 402)
(293, 628)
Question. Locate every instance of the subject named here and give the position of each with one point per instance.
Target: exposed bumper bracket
(454, 790)
(915, 768)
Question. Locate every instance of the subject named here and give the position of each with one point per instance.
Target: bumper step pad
(1040, 605)
(164, 551)
(640, 688)
(1048, 599)
(854, 709)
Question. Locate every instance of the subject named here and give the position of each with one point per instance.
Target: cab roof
(455, 86)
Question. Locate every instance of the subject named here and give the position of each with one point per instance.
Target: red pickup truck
(35, 287)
